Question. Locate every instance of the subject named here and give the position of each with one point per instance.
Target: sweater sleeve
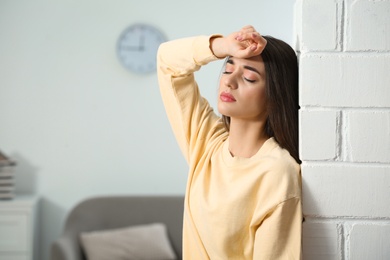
(191, 117)
(279, 236)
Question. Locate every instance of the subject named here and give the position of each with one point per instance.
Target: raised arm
(190, 115)
(245, 43)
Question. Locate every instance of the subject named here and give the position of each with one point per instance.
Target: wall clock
(137, 47)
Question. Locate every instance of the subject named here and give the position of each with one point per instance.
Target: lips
(227, 97)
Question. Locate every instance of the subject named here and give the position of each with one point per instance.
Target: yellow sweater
(235, 208)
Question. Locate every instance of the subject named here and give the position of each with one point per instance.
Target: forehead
(255, 62)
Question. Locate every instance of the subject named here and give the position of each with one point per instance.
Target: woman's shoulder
(278, 156)
(281, 166)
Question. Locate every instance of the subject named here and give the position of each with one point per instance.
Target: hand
(245, 43)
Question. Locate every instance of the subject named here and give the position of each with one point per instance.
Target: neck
(246, 137)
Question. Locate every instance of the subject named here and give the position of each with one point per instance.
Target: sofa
(104, 217)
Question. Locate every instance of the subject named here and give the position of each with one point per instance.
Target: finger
(253, 50)
(250, 36)
(260, 40)
(245, 30)
(259, 47)
(248, 28)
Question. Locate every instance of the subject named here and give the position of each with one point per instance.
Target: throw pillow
(143, 242)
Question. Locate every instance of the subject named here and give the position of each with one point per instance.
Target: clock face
(137, 47)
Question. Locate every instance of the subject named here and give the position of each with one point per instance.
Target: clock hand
(142, 43)
(131, 48)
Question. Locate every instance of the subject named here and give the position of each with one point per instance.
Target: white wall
(344, 50)
(78, 124)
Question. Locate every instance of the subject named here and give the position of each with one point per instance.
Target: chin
(222, 111)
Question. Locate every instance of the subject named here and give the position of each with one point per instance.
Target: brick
(369, 136)
(370, 242)
(318, 135)
(368, 25)
(355, 190)
(320, 241)
(318, 25)
(344, 80)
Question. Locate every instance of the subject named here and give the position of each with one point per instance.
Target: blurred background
(77, 122)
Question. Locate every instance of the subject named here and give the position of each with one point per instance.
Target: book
(7, 185)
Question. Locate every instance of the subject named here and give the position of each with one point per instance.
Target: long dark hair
(281, 68)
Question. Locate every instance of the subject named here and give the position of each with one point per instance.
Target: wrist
(216, 46)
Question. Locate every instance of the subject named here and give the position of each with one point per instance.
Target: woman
(243, 195)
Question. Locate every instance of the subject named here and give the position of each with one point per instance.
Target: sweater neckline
(236, 160)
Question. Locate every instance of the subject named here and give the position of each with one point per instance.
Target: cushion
(149, 242)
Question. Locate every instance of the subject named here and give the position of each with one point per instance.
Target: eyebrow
(230, 61)
(252, 69)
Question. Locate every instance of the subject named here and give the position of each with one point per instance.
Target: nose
(231, 81)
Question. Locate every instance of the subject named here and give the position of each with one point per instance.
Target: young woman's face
(242, 89)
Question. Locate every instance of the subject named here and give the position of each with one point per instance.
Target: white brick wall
(344, 56)
(320, 129)
(321, 240)
(368, 241)
(367, 24)
(369, 135)
(320, 33)
(346, 189)
(343, 79)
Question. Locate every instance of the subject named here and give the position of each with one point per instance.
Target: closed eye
(229, 67)
(249, 80)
